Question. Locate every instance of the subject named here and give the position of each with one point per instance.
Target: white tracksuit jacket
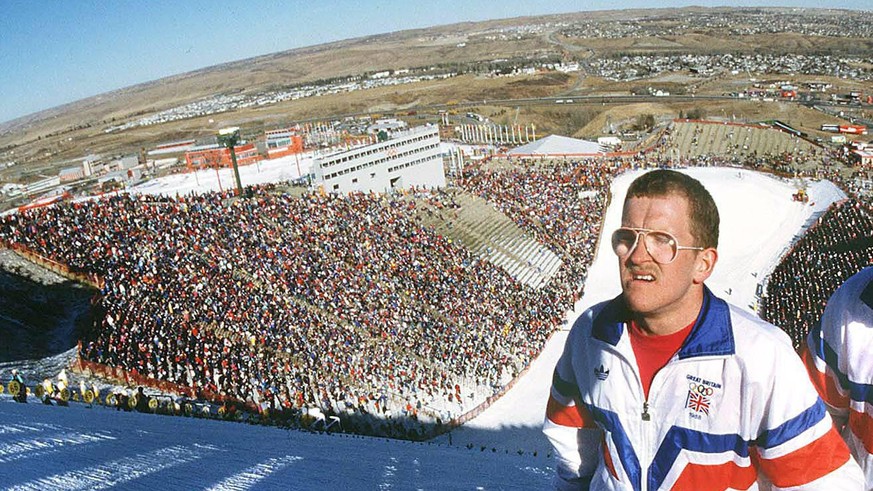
(839, 357)
(733, 409)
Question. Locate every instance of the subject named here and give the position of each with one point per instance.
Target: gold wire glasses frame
(661, 246)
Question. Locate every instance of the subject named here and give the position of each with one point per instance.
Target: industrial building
(406, 159)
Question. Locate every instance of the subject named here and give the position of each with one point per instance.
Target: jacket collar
(712, 334)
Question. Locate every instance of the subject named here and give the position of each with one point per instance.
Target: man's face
(663, 294)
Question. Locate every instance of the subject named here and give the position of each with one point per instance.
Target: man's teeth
(644, 277)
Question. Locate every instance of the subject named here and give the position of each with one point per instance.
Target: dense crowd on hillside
(341, 302)
(837, 247)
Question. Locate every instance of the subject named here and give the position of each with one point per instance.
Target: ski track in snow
(253, 475)
(28, 428)
(120, 471)
(43, 446)
(388, 474)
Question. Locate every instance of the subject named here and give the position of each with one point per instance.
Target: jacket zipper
(645, 429)
(645, 433)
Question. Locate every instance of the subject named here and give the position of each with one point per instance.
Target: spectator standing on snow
(21, 396)
(142, 401)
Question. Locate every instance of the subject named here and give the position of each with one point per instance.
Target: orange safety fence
(91, 279)
(132, 378)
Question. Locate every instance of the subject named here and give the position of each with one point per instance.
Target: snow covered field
(79, 448)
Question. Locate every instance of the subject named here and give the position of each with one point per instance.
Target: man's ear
(705, 264)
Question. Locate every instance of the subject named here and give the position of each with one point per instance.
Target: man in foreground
(838, 357)
(668, 387)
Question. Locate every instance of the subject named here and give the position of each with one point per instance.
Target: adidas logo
(601, 373)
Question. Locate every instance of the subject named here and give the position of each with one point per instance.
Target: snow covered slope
(76, 448)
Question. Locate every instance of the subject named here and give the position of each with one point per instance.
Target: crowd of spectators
(345, 303)
(839, 245)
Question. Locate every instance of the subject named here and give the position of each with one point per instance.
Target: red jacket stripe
(573, 416)
(861, 425)
(607, 457)
(805, 464)
(824, 384)
(702, 477)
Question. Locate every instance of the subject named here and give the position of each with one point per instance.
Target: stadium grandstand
(342, 302)
(492, 236)
(692, 138)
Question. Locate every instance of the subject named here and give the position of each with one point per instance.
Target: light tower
(229, 137)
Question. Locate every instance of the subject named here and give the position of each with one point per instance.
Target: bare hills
(473, 52)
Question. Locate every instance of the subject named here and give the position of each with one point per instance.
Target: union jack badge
(698, 398)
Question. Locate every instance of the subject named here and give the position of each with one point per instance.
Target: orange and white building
(220, 157)
(283, 142)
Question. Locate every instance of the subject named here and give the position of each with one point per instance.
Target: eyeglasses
(662, 246)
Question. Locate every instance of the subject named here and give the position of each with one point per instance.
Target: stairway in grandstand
(492, 236)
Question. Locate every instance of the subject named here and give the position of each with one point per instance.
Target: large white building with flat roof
(407, 159)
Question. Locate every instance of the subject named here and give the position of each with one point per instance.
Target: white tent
(557, 146)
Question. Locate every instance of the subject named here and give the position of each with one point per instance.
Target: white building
(389, 124)
(609, 141)
(127, 162)
(43, 185)
(408, 158)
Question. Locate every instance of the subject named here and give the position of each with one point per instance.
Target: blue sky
(54, 52)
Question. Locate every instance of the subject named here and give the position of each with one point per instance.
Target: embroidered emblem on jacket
(601, 373)
(696, 400)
